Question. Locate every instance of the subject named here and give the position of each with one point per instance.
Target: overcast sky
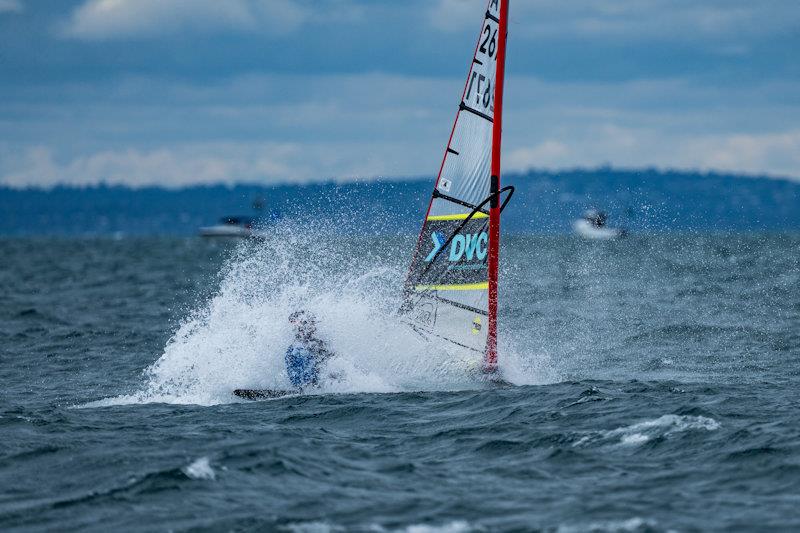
(178, 92)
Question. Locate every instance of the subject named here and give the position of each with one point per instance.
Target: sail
(449, 285)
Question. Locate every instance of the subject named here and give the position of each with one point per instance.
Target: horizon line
(360, 180)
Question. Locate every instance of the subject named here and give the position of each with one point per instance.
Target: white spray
(239, 337)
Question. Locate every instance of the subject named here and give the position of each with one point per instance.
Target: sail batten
(450, 279)
(465, 107)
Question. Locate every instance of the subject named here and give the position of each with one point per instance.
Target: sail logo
(469, 246)
(438, 241)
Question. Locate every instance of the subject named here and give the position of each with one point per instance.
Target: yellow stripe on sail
(458, 216)
(461, 287)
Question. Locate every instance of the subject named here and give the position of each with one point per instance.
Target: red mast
(490, 360)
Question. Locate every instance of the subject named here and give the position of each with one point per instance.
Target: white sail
(448, 284)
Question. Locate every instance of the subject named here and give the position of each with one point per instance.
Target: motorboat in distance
(593, 225)
(243, 226)
(232, 226)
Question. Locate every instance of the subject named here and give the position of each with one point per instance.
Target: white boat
(242, 226)
(230, 227)
(593, 226)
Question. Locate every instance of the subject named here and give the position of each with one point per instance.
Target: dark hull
(263, 394)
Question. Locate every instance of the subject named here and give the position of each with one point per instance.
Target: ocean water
(655, 388)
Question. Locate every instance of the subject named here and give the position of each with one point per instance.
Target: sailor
(306, 355)
(596, 218)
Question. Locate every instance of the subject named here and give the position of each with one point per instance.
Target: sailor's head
(304, 323)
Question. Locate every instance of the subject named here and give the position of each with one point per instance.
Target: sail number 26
(490, 38)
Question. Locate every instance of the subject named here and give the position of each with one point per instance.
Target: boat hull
(588, 231)
(225, 230)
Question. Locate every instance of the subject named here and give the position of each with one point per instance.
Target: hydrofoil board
(263, 394)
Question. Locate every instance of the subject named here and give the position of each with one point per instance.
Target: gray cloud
(11, 6)
(144, 131)
(125, 19)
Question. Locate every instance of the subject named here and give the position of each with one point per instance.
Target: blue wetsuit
(301, 365)
(304, 357)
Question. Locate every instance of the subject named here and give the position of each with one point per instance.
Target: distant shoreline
(644, 200)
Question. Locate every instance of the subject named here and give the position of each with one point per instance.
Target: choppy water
(657, 389)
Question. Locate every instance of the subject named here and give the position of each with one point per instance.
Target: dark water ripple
(675, 407)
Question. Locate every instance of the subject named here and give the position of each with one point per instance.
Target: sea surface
(655, 387)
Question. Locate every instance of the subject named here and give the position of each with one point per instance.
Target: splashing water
(643, 432)
(353, 286)
(200, 469)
